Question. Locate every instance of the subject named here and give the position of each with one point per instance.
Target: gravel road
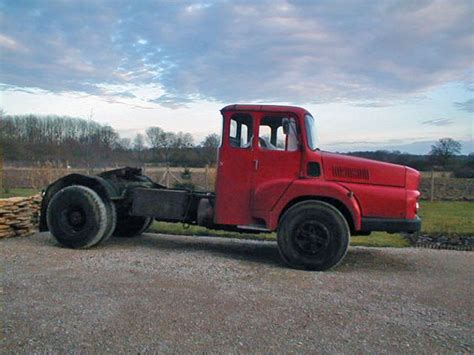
(175, 294)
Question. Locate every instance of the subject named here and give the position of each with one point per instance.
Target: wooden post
(207, 177)
(167, 175)
(432, 186)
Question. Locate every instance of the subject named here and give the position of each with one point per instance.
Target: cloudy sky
(376, 74)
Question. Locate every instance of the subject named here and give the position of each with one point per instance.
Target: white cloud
(291, 51)
(10, 44)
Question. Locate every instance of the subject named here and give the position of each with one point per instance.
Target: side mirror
(286, 126)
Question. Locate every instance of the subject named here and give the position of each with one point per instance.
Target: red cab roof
(266, 108)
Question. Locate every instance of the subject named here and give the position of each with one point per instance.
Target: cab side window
(240, 132)
(271, 135)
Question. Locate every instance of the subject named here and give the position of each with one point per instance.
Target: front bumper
(391, 225)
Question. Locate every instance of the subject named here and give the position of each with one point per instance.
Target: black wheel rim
(311, 237)
(75, 218)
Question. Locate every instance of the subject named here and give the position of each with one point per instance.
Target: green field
(17, 192)
(374, 240)
(440, 216)
(447, 217)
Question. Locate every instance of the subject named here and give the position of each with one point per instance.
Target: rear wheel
(131, 226)
(111, 220)
(78, 218)
(313, 235)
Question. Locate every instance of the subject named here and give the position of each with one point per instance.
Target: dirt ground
(176, 294)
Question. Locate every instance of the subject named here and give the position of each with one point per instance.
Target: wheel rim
(75, 217)
(311, 237)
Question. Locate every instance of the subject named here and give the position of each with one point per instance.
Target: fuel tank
(343, 168)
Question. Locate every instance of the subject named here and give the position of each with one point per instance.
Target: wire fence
(40, 176)
(433, 186)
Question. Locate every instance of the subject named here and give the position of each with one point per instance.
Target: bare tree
(161, 140)
(211, 141)
(154, 136)
(139, 142)
(443, 150)
(125, 143)
(183, 140)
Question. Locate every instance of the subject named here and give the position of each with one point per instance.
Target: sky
(384, 74)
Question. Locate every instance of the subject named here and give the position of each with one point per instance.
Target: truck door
(235, 170)
(277, 160)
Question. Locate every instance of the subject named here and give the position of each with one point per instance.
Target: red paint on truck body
(255, 185)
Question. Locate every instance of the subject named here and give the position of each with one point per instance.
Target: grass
(440, 216)
(448, 217)
(178, 229)
(19, 192)
(437, 217)
(374, 240)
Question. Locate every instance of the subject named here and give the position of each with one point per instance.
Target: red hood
(345, 168)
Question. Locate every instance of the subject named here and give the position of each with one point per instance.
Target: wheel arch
(102, 187)
(339, 205)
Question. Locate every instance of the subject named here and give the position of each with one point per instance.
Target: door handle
(255, 162)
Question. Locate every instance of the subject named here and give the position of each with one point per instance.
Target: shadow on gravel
(265, 253)
(357, 259)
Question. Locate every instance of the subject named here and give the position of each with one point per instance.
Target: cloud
(467, 105)
(285, 51)
(172, 101)
(421, 145)
(373, 104)
(439, 122)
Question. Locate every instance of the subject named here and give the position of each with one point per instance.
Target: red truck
(271, 176)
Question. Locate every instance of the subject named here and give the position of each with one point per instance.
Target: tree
(211, 141)
(139, 142)
(154, 136)
(159, 139)
(443, 150)
(125, 143)
(183, 140)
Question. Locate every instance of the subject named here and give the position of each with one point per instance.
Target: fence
(39, 177)
(440, 188)
(432, 187)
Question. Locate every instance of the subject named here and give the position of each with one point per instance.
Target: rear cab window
(240, 131)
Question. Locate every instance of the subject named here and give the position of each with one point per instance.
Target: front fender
(306, 189)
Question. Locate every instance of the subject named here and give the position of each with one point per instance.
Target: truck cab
(271, 176)
(269, 160)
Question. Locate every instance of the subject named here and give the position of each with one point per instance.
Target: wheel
(313, 235)
(77, 217)
(131, 226)
(111, 220)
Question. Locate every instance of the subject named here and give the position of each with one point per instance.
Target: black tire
(131, 226)
(111, 220)
(77, 217)
(313, 235)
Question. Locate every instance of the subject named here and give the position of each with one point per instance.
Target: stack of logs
(19, 216)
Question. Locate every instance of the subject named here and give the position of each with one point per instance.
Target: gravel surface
(176, 294)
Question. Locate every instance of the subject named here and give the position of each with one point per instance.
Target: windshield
(311, 134)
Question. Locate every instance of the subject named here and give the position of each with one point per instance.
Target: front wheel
(313, 235)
